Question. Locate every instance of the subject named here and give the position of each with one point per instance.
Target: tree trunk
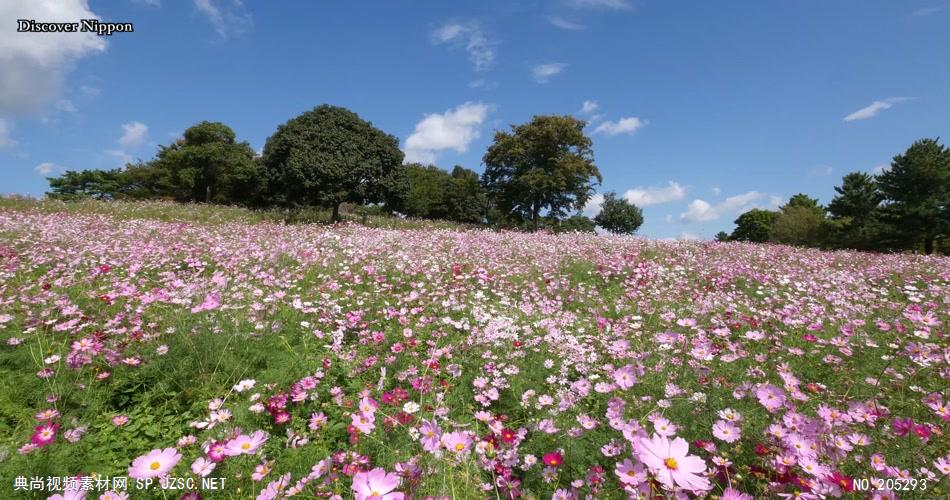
(336, 213)
(208, 193)
(928, 245)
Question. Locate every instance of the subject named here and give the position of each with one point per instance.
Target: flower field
(355, 362)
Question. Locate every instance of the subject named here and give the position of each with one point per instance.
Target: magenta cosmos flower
(376, 484)
(154, 463)
(670, 462)
(44, 435)
(244, 444)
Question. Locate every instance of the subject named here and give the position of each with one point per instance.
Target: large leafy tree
(328, 156)
(618, 215)
(754, 225)
(465, 198)
(208, 164)
(546, 164)
(427, 191)
(917, 193)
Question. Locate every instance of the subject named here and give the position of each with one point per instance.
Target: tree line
(904, 207)
(538, 175)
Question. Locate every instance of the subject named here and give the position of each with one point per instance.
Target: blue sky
(698, 110)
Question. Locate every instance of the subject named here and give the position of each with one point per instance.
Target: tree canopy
(328, 156)
(618, 215)
(546, 164)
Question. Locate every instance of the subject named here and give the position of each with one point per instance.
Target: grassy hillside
(439, 362)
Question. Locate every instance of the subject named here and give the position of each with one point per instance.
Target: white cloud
(6, 141)
(481, 50)
(600, 4)
(564, 24)
(228, 21)
(151, 3)
(820, 170)
(46, 168)
(700, 210)
(627, 125)
(874, 108)
(926, 11)
(543, 72)
(644, 197)
(122, 156)
(455, 129)
(880, 169)
(686, 236)
(65, 105)
(715, 190)
(134, 133)
(589, 107)
(35, 65)
(593, 205)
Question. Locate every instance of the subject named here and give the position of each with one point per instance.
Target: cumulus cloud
(628, 125)
(35, 65)
(820, 170)
(871, 110)
(46, 168)
(6, 141)
(592, 207)
(600, 4)
(564, 24)
(455, 129)
(228, 20)
(133, 134)
(123, 157)
(543, 72)
(700, 210)
(655, 195)
(589, 107)
(480, 49)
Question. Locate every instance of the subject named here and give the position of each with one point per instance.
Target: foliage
(427, 191)
(618, 215)
(95, 184)
(465, 198)
(799, 225)
(856, 213)
(328, 156)
(754, 225)
(546, 164)
(576, 223)
(916, 189)
(722, 236)
(207, 164)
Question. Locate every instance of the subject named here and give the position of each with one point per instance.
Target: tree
(804, 201)
(754, 225)
(722, 236)
(855, 212)
(207, 164)
(916, 190)
(96, 184)
(546, 164)
(576, 224)
(798, 225)
(427, 191)
(465, 198)
(618, 215)
(328, 156)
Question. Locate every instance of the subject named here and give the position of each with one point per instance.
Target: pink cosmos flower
(202, 466)
(726, 431)
(244, 444)
(733, 494)
(670, 462)
(120, 420)
(376, 484)
(364, 422)
(770, 396)
(630, 473)
(430, 437)
(114, 495)
(456, 442)
(901, 426)
(154, 463)
(625, 377)
(44, 435)
(212, 301)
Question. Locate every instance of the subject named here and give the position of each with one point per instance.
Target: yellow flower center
(155, 465)
(459, 447)
(374, 493)
(670, 464)
(246, 446)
